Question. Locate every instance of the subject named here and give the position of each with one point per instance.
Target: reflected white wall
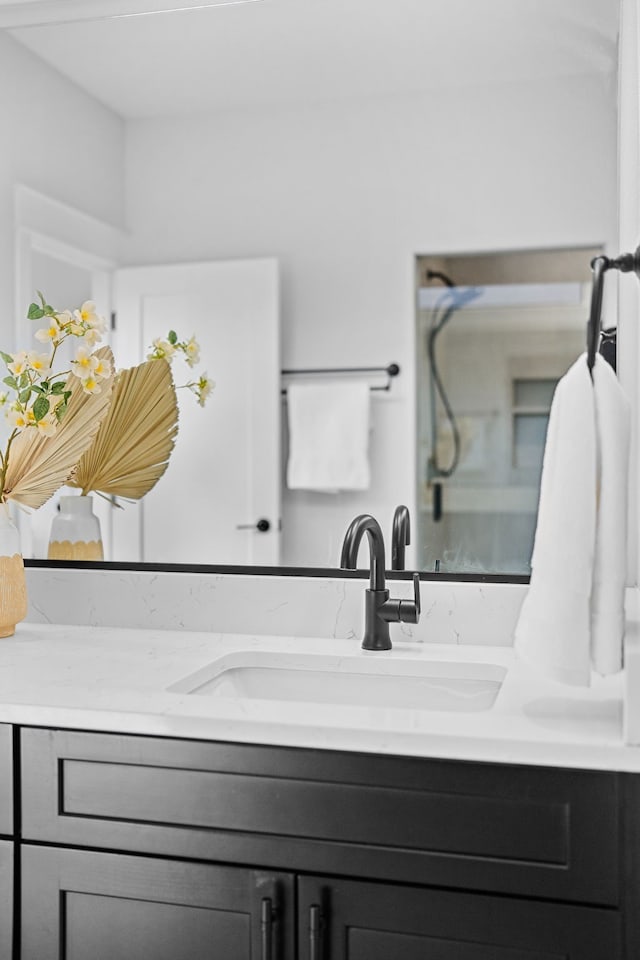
(345, 194)
(55, 139)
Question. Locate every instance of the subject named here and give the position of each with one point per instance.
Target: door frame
(44, 225)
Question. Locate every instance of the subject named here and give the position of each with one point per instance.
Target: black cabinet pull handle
(266, 927)
(316, 925)
(261, 526)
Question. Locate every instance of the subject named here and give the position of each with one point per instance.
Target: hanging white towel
(613, 426)
(328, 436)
(573, 615)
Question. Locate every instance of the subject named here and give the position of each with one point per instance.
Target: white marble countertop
(117, 679)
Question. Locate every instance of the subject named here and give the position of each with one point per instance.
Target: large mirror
(334, 151)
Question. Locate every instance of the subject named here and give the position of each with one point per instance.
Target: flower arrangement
(88, 426)
(133, 445)
(52, 416)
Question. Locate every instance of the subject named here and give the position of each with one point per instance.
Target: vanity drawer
(6, 779)
(514, 829)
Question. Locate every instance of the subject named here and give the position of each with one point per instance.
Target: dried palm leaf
(132, 447)
(38, 465)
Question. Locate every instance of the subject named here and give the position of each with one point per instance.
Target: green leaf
(11, 382)
(41, 408)
(47, 308)
(57, 388)
(35, 312)
(172, 337)
(6, 357)
(24, 395)
(23, 381)
(60, 411)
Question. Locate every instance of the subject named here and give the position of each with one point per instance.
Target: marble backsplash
(483, 613)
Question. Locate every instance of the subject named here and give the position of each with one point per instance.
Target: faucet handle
(409, 611)
(395, 611)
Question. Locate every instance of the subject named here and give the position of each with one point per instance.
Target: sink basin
(357, 681)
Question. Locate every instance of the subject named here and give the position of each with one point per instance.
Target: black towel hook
(625, 263)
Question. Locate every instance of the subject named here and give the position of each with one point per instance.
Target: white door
(224, 474)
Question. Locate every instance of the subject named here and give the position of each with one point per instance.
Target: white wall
(345, 194)
(55, 139)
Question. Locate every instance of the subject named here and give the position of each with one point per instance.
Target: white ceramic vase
(13, 588)
(75, 531)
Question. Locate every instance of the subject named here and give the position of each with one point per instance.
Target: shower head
(439, 275)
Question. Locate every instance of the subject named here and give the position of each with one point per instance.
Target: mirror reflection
(491, 349)
(267, 176)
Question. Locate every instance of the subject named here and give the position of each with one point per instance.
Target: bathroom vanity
(159, 848)
(139, 818)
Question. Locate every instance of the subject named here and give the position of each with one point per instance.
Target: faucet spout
(362, 524)
(400, 536)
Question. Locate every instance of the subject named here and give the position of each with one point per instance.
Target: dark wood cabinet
(154, 848)
(344, 920)
(81, 904)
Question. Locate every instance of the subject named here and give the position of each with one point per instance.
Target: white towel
(328, 436)
(573, 615)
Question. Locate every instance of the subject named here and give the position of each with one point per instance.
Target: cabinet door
(344, 920)
(6, 899)
(79, 904)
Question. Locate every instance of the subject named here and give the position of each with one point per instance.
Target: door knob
(261, 526)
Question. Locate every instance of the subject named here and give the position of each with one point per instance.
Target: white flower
(91, 336)
(91, 384)
(50, 333)
(39, 362)
(47, 426)
(18, 419)
(192, 351)
(163, 350)
(102, 368)
(64, 318)
(203, 388)
(87, 314)
(84, 363)
(88, 323)
(19, 363)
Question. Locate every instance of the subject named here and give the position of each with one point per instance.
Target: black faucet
(400, 536)
(379, 610)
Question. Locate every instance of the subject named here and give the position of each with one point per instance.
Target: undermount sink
(356, 681)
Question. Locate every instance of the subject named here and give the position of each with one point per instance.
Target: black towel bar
(391, 370)
(625, 263)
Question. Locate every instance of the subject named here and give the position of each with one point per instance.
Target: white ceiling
(279, 52)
